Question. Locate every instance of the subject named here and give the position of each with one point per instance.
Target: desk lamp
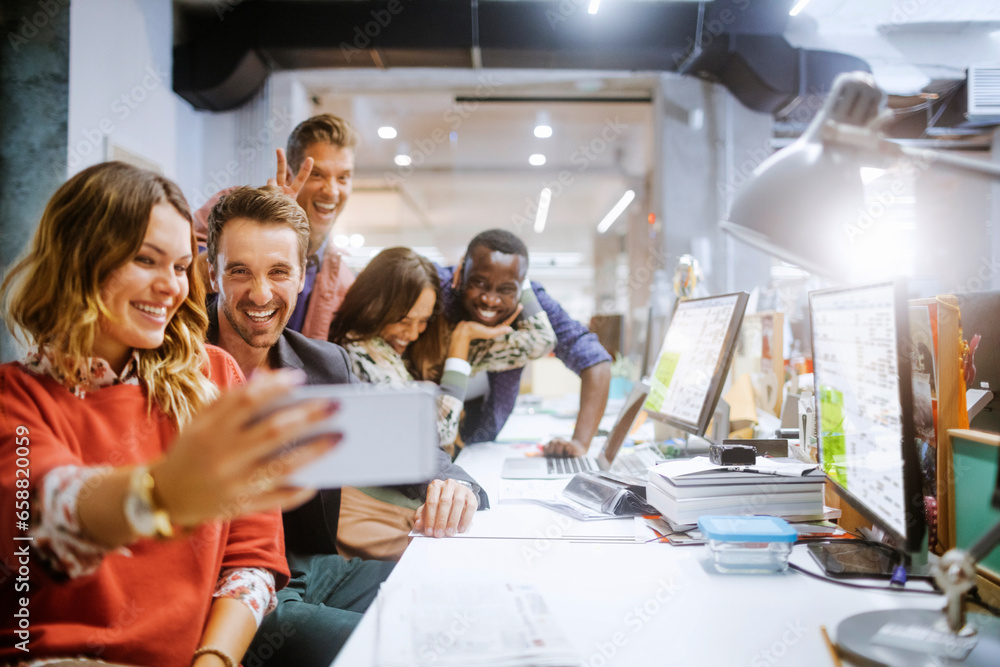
(796, 206)
(799, 201)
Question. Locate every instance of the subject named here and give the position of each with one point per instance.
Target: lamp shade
(801, 203)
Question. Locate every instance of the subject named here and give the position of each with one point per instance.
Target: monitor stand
(906, 637)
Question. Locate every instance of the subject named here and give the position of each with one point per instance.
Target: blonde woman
(140, 507)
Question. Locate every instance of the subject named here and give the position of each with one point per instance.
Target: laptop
(630, 467)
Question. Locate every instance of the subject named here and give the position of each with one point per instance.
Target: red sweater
(148, 609)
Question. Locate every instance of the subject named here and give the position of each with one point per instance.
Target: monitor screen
(691, 367)
(862, 372)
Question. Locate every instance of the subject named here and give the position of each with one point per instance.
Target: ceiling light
(357, 240)
(594, 4)
(341, 240)
(799, 6)
(387, 132)
(544, 200)
(402, 160)
(536, 160)
(613, 214)
(543, 125)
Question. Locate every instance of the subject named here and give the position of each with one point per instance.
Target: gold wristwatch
(145, 515)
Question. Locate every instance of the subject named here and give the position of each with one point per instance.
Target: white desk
(634, 604)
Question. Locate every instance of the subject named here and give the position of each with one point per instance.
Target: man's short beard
(243, 334)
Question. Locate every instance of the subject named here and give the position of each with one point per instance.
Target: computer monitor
(694, 359)
(864, 406)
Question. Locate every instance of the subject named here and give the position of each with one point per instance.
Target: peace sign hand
(281, 176)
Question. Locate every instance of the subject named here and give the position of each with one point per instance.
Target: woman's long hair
(94, 224)
(383, 294)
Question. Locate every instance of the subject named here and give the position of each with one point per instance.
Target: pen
(834, 653)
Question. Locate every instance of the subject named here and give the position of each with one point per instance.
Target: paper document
(575, 510)
(701, 468)
(526, 521)
(452, 623)
(532, 489)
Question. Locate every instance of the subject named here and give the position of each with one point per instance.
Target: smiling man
(258, 239)
(491, 284)
(319, 175)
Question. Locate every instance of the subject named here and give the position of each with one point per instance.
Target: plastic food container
(748, 544)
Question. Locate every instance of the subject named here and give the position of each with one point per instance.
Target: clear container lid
(746, 529)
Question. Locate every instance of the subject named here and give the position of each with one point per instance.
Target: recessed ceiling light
(341, 240)
(387, 132)
(402, 160)
(357, 240)
(543, 125)
(536, 160)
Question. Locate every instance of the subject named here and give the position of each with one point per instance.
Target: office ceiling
(464, 102)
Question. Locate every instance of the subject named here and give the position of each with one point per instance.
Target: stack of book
(684, 490)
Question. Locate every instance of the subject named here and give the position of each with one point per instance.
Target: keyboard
(569, 466)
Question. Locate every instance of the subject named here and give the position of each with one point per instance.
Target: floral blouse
(375, 361)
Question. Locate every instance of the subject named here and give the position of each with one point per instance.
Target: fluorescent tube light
(613, 214)
(544, 199)
(799, 6)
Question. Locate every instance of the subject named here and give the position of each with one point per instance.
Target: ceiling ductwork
(229, 48)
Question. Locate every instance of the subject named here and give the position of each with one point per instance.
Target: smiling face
(258, 277)
(491, 286)
(145, 292)
(326, 190)
(400, 334)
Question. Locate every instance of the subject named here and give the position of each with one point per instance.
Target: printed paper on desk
(680, 467)
(463, 623)
(701, 465)
(513, 490)
(529, 521)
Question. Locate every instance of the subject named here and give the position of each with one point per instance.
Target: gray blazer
(312, 528)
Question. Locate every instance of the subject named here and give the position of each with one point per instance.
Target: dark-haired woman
(392, 327)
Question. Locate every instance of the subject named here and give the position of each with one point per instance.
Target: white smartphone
(390, 435)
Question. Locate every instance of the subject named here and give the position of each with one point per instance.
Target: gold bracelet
(214, 651)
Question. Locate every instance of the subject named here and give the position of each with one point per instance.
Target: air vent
(984, 92)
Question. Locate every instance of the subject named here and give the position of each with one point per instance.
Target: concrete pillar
(708, 146)
(34, 110)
